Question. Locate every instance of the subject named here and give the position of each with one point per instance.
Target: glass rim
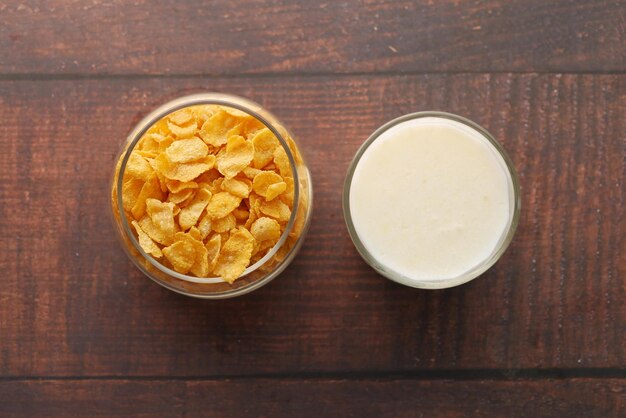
(474, 272)
(219, 99)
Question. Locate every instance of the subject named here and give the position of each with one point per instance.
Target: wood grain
(71, 304)
(314, 398)
(267, 36)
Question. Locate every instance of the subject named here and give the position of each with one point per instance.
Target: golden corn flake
(215, 129)
(181, 117)
(187, 201)
(150, 189)
(220, 175)
(181, 123)
(176, 186)
(187, 150)
(146, 242)
(147, 154)
(160, 127)
(264, 229)
(216, 185)
(163, 145)
(152, 137)
(189, 215)
(162, 180)
(261, 247)
(148, 146)
(224, 224)
(237, 187)
(200, 266)
(201, 113)
(236, 130)
(254, 215)
(222, 204)
(287, 196)
(130, 193)
(265, 142)
(274, 190)
(181, 254)
(213, 247)
(254, 205)
(238, 155)
(235, 255)
(182, 131)
(209, 177)
(276, 209)
(282, 162)
(250, 172)
(181, 196)
(263, 180)
(183, 172)
(241, 214)
(155, 232)
(205, 226)
(138, 167)
(162, 216)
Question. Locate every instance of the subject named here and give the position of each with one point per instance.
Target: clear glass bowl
(505, 238)
(257, 274)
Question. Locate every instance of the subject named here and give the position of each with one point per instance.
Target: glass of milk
(431, 200)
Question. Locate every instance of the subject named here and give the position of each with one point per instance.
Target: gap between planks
(459, 375)
(131, 76)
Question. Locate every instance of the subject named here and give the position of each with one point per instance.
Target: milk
(430, 199)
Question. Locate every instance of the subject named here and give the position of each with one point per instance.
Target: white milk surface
(429, 198)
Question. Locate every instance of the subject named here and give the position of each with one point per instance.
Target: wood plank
(297, 36)
(313, 398)
(71, 304)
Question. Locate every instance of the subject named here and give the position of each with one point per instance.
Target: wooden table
(543, 333)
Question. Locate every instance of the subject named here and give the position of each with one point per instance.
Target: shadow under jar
(268, 262)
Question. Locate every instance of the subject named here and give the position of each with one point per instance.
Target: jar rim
(503, 242)
(219, 99)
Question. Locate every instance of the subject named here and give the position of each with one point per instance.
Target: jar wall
(258, 273)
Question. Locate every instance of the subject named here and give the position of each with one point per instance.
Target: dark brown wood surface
(265, 36)
(543, 333)
(314, 398)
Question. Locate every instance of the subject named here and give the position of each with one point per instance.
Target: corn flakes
(209, 190)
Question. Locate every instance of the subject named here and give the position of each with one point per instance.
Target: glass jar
(260, 272)
(503, 241)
